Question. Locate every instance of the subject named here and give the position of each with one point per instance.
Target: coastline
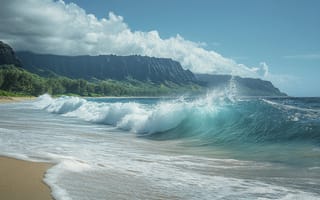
(23, 180)
(9, 99)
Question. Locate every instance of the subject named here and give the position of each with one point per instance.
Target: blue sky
(276, 40)
(283, 33)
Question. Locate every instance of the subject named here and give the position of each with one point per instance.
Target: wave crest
(208, 120)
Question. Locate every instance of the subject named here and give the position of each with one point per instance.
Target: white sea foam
(290, 107)
(92, 162)
(295, 113)
(128, 116)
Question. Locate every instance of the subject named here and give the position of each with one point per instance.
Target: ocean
(209, 147)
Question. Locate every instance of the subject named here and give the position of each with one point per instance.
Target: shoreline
(9, 99)
(23, 179)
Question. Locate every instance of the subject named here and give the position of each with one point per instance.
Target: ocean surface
(208, 147)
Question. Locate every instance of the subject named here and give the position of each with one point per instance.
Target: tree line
(17, 81)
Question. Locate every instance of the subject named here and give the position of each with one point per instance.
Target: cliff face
(7, 55)
(142, 68)
(242, 86)
(103, 67)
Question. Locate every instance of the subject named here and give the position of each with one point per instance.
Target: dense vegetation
(17, 81)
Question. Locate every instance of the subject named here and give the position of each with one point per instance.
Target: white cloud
(286, 82)
(47, 26)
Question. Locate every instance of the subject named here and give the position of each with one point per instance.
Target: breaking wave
(208, 120)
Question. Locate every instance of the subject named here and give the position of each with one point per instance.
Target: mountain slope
(133, 74)
(7, 55)
(240, 86)
(142, 68)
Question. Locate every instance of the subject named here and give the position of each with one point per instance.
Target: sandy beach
(5, 99)
(21, 180)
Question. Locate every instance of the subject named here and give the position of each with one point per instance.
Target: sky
(276, 40)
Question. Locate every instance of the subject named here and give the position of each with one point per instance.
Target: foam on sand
(23, 180)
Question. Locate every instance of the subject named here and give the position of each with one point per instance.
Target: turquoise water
(209, 147)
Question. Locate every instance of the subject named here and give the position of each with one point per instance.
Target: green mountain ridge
(33, 74)
(141, 68)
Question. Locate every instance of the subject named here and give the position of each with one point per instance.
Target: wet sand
(5, 99)
(21, 180)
